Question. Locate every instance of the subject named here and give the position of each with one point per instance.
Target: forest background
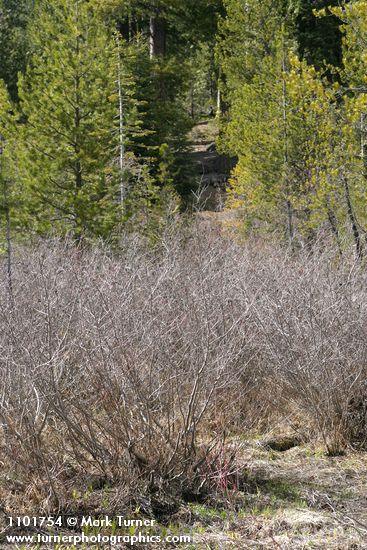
(98, 99)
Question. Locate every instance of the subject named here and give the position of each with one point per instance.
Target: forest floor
(294, 500)
(212, 174)
(212, 168)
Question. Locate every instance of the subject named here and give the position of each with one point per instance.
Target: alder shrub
(131, 367)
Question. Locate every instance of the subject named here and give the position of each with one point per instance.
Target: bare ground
(212, 168)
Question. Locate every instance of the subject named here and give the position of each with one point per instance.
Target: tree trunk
(157, 36)
(8, 231)
(9, 255)
(121, 131)
(353, 219)
(219, 100)
(363, 129)
(78, 173)
(334, 229)
(287, 187)
(158, 48)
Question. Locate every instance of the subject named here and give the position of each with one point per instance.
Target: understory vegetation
(135, 369)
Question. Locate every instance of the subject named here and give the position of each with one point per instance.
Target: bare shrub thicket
(131, 367)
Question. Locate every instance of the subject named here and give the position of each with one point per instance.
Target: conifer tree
(258, 128)
(15, 43)
(319, 39)
(317, 143)
(69, 101)
(9, 199)
(294, 132)
(353, 16)
(171, 31)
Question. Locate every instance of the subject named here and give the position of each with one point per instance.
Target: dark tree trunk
(157, 36)
(353, 219)
(157, 28)
(125, 28)
(334, 228)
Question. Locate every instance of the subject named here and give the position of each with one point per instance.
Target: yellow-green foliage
(301, 140)
(354, 27)
(10, 196)
(254, 132)
(314, 138)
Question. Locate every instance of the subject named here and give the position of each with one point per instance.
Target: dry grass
(296, 499)
(293, 500)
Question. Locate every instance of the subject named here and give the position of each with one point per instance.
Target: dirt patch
(212, 168)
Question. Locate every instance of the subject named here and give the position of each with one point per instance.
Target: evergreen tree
(10, 202)
(69, 101)
(293, 132)
(318, 145)
(319, 39)
(353, 16)
(248, 35)
(254, 59)
(14, 40)
(171, 32)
